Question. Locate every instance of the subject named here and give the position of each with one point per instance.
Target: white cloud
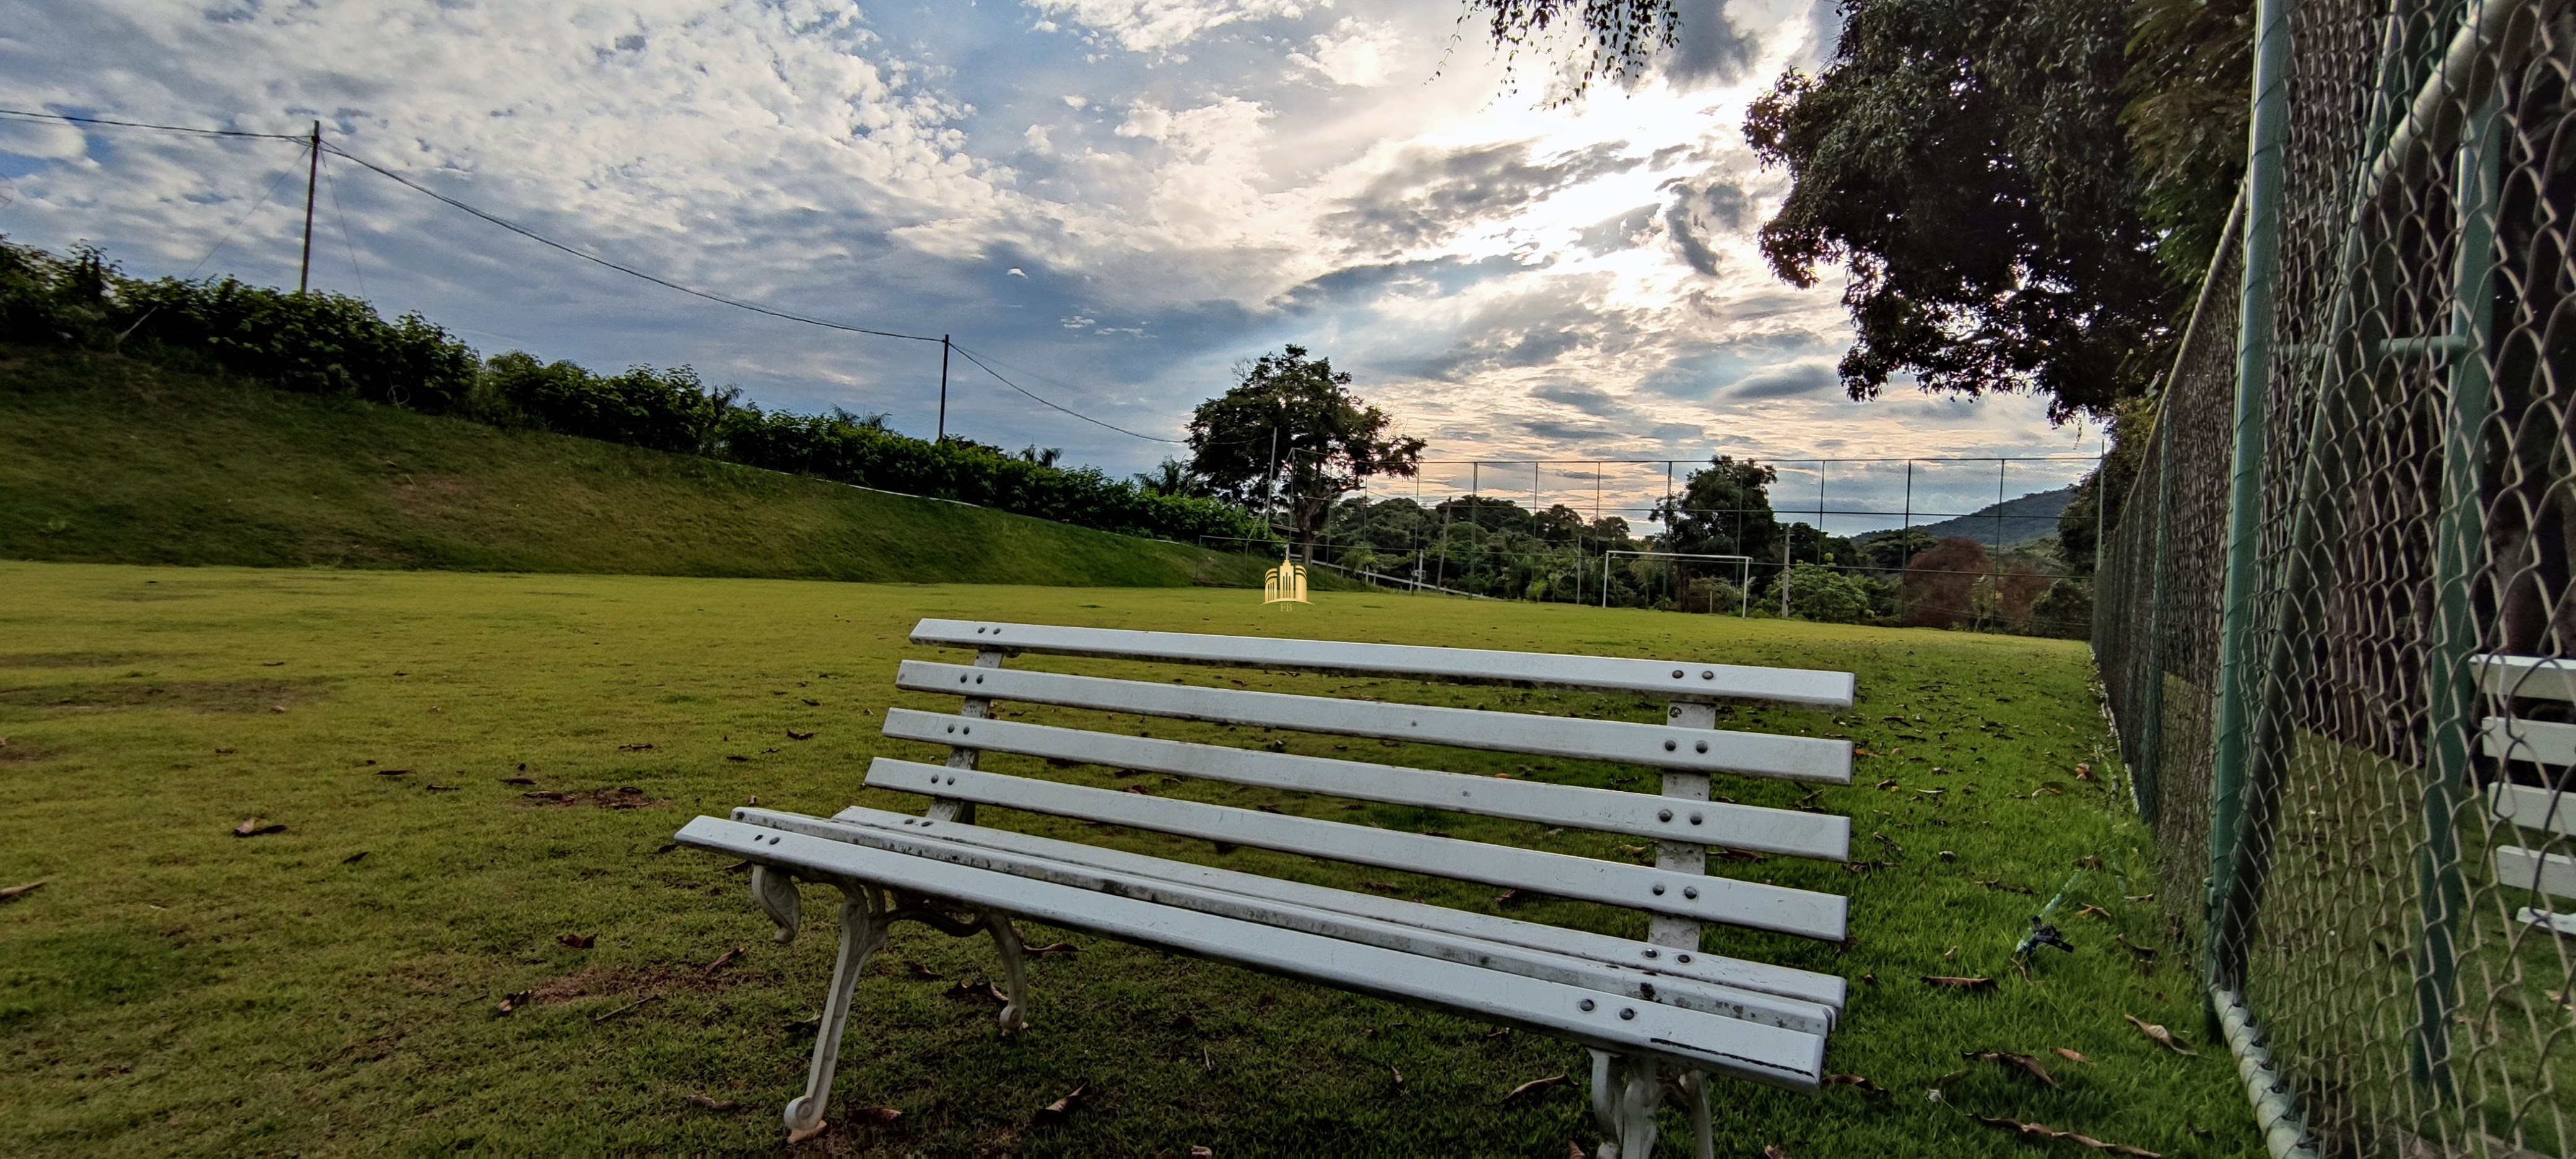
(1354, 53)
(1468, 252)
(1160, 25)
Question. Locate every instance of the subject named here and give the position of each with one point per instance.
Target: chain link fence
(2335, 628)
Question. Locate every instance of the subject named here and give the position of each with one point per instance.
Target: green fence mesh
(2390, 902)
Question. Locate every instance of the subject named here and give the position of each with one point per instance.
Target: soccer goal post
(1743, 572)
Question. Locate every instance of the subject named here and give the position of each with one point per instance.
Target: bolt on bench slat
(1717, 899)
(1604, 810)
(1768, 1054)
(1796, 758)
(1667, 680)
(1144, 878)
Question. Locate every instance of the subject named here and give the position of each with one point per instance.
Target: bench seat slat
(1674, 680)
(2533, 807)
(2550, 873)
(954, 842)
(1765, 1053)
(1824, 990)
(1795, 758)
(1604, 810)
(2537, 741)
(1719, 899)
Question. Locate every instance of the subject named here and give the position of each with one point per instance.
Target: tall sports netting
(2336, 631)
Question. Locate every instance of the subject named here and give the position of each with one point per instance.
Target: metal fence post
(2145, 781)
(2263, 171)
(2459, 533)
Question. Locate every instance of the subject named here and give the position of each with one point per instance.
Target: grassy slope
(110, 461)
(176, 990)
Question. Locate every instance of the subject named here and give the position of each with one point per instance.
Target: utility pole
(312, 172)
(943, 390)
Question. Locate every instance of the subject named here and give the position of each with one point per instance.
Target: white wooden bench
(2540, 809)
(1658, 1014)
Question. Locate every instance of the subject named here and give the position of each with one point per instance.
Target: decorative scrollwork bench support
(867, 913)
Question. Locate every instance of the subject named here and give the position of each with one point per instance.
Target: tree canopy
(1290, 436)
(2021, 193)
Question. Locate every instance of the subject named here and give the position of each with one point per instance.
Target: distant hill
(2011, 523)
(109, 460)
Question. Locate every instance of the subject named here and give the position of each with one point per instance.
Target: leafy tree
(1941, 584)
(2021, 193)
(1618, 37)
(1826, 595)
(1291, 434)
(1964, 162)
(1724, 509)
(1173, 477)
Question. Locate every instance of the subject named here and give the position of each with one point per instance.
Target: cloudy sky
(1111, 201)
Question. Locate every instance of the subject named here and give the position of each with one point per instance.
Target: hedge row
(332, 344)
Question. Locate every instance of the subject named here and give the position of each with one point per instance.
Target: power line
(969, 356)
(541, 239)
(584, 255)
(33, 116)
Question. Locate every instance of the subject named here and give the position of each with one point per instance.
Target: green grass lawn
(108, 460)
(333, 987)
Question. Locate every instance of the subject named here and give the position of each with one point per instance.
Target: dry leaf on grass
(922, 972)
(1399, 1079)
(15, 892)
(578, 941)
(1960, 983)
(717, 1105)
(393, 772)
(1853, 1080)
(2162, 1036)
(518, 780)
(1535, 1086)
(2093, 911)
(510, 1002)
(2072, 1056)
(1573, 1150)
(792, 734)
(877, 1115)
(256, 827)
(2044, 1131)
(2008, 887)
(2025, 1062)
(1202, 1153)
(1051, 948)
(1054, 1114)
(1774, 1151)
(354, 858)
(725, 959)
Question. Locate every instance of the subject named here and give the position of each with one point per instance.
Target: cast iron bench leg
(863, 929)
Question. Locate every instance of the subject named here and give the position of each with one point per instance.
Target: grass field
(173, 989)
(107, 460)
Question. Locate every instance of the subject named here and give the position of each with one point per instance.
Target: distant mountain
(2008, 524)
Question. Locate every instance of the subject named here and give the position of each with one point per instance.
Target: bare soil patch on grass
(198, 695)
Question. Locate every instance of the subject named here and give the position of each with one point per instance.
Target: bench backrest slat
(1603, 810)
(1661, 746)
(2537, 741)
(2550, 873)
(1697, 897)
(1659, 679)
(2537, 677)
(2532, 807)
